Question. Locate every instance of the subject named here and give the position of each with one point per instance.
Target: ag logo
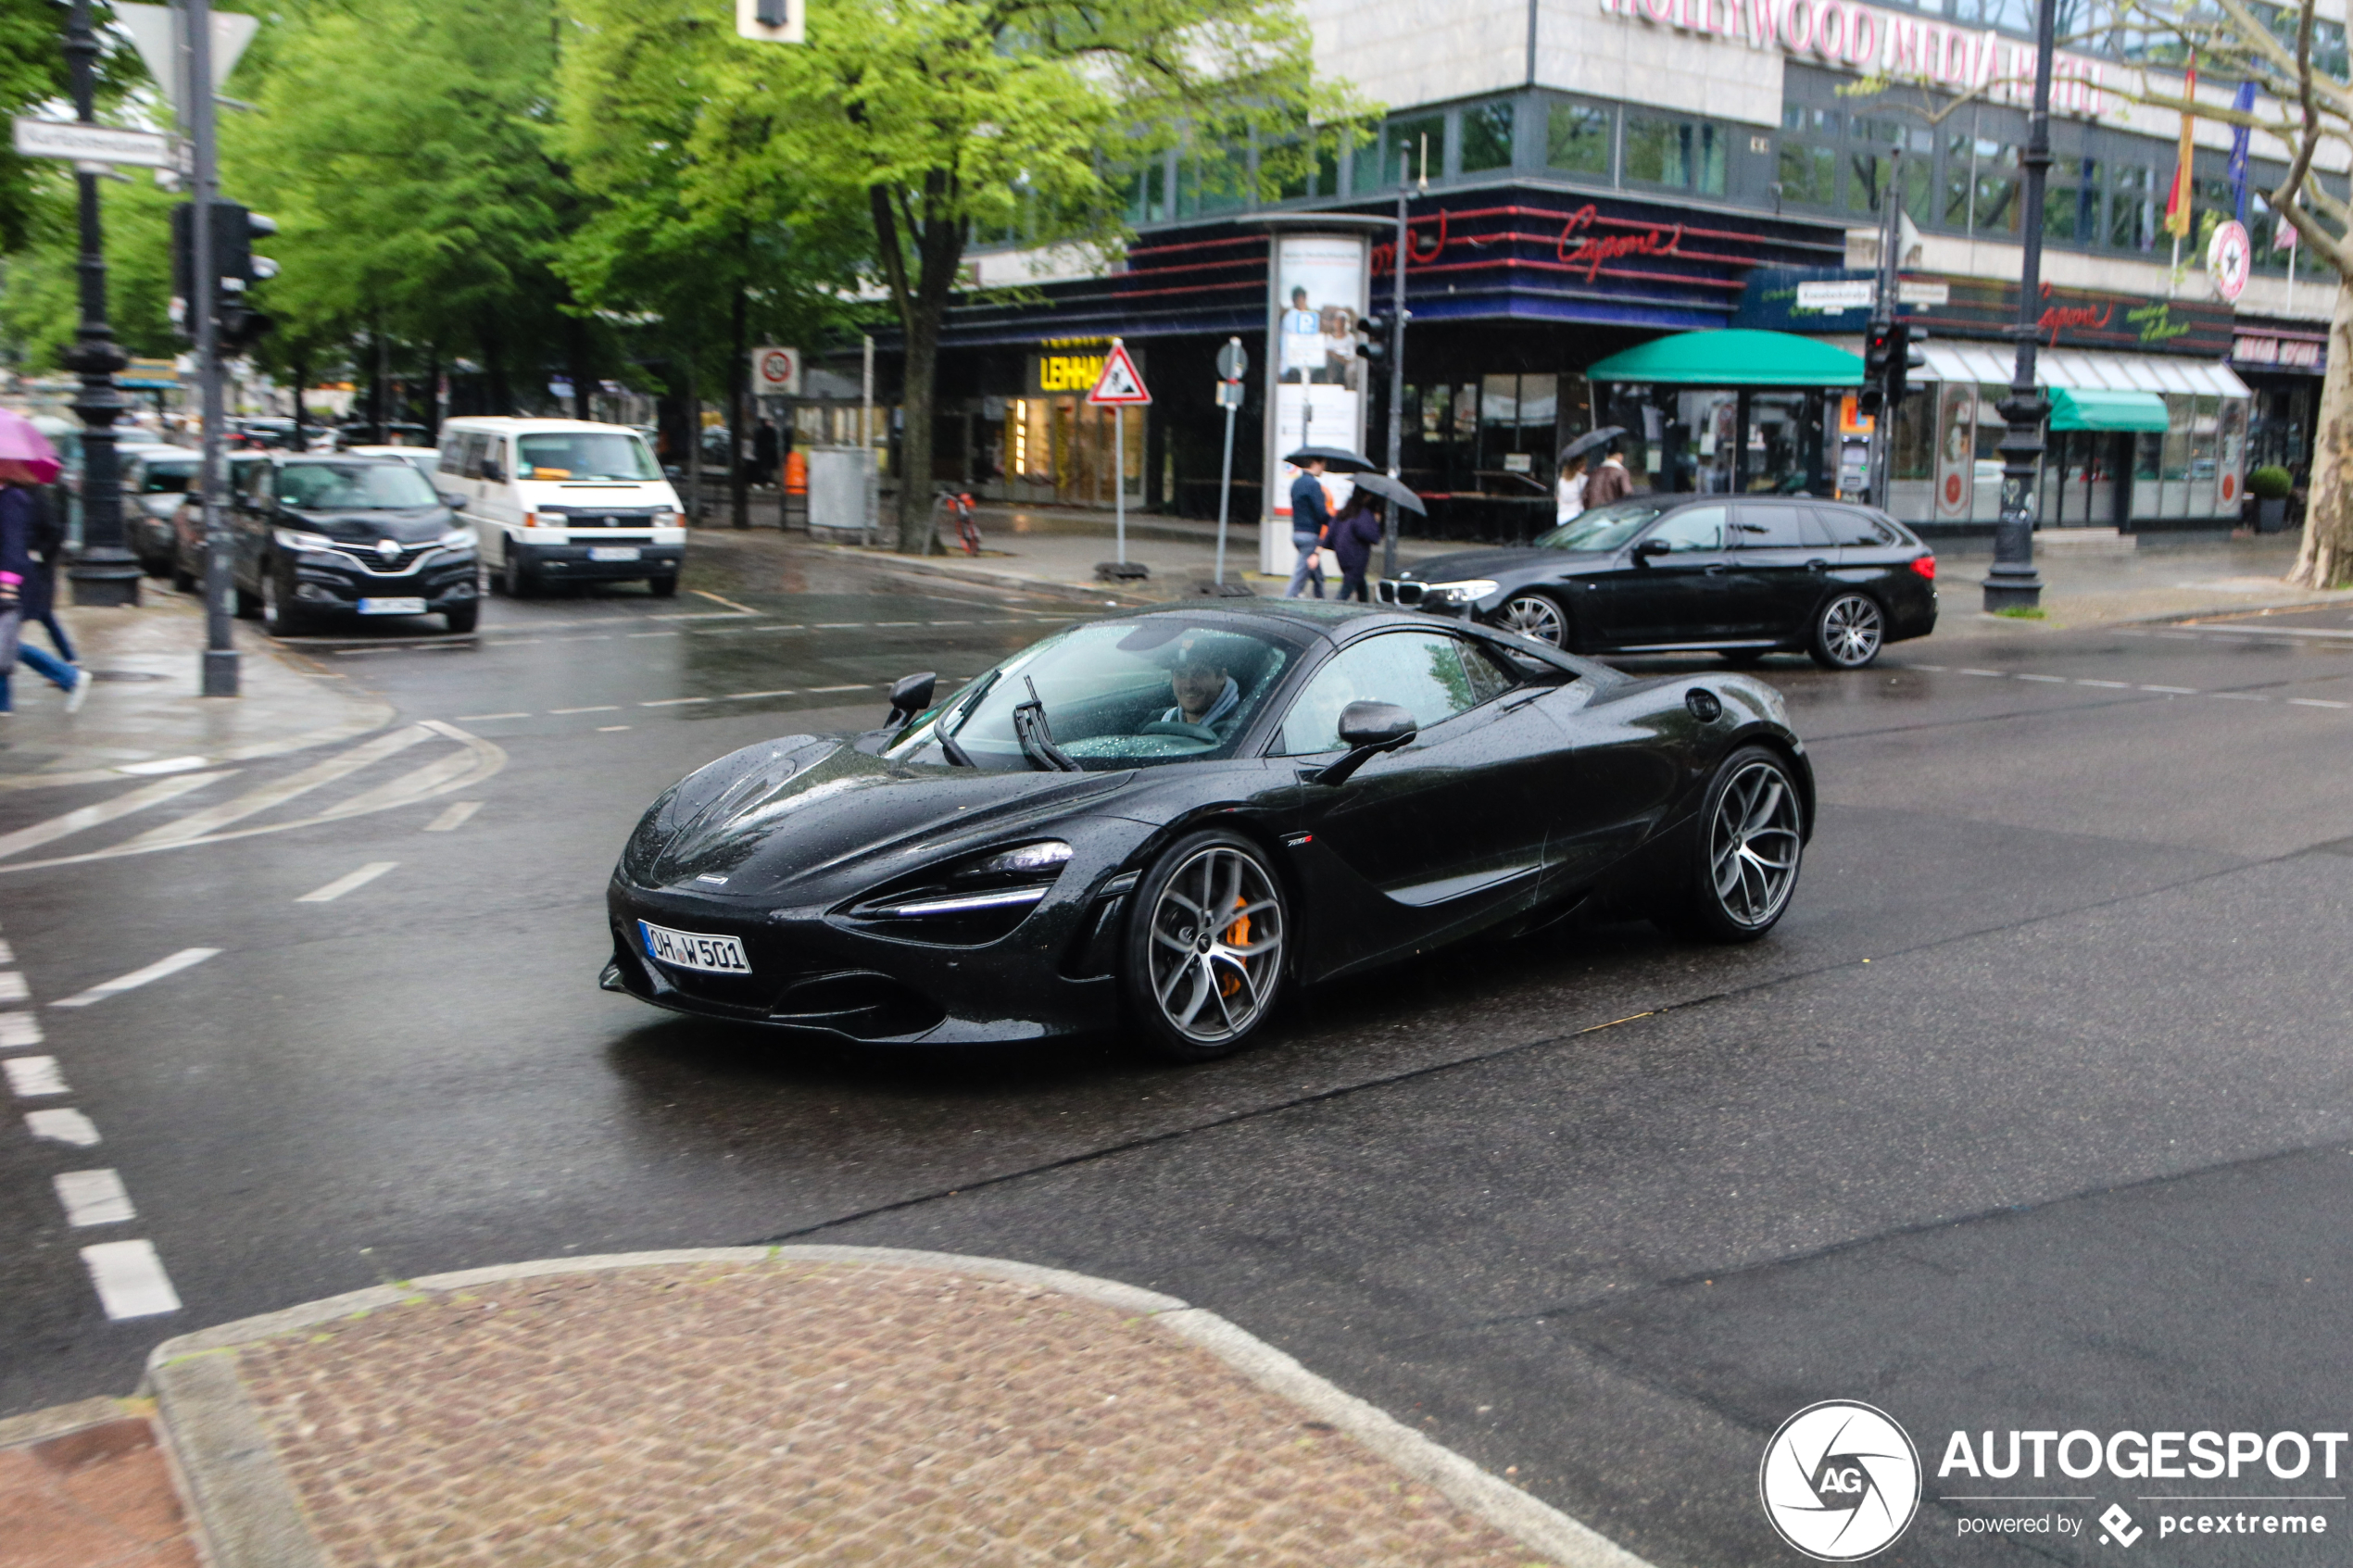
(1840, 1481)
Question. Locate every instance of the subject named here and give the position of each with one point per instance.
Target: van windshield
(584, 454)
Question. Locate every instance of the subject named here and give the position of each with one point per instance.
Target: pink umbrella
(21, 443)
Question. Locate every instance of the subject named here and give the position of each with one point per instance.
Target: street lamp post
(2013, 583)
(104, 573)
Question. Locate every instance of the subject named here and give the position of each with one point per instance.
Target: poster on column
(1317, 296)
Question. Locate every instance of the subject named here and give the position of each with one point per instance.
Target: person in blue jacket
(1352, 535)
(1310, 515)
(25, 589)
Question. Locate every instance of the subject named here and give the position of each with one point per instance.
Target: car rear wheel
(1747, 842)
(280, 618)
(1204, 952)
(1536, 616)
(1848, 631)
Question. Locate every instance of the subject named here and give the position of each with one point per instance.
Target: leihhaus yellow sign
(1068, 365)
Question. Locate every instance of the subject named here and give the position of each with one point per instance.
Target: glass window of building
(2072, 200)
(1684, 155)
(1148, 194)
(1212, 180)
(1405, 144)
(1996, 208)
(1487, 132)
(1808, 175)
(2131, 211)
(1577, 139)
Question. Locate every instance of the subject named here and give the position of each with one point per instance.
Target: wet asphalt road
(2034, 1113)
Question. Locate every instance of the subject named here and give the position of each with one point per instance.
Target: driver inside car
(1206, 693)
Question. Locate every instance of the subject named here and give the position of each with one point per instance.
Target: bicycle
(959, 505)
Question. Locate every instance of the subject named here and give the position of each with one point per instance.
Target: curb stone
(63, 1421)
(248, 1515)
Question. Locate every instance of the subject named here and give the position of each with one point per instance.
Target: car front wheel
(1204, 952)
(1848, 631)
(279, 616)
(1536, 616)
(1747, 841)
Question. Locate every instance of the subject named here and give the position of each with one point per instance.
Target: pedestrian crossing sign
(1119, 383)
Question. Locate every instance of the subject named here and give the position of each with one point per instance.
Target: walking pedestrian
(1354, 534)
(1609, 482)
(26, 556)
(765, 456)
(1310, 515)
(1568, 491)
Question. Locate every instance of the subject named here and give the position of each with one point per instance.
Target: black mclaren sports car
(1159, 819)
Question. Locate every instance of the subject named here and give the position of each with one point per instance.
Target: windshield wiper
(956, 756)
(1037, 737)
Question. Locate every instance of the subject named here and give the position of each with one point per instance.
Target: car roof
(285, 458)
(396, 451)
(510, 422)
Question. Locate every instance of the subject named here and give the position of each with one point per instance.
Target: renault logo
(388, 549)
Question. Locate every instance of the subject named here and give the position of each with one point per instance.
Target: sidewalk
(144, 709)
(809, 1404)
(2159, 583)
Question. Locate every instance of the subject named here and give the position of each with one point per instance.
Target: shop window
(1677, 153)
(1577, 139)
(1912, 446)
(1487, 132)
(1466, 412)
(2179, 416)
(1407, 144)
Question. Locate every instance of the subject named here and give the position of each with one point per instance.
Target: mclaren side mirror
(1367, 729)
(910, 695)
(1647, 548)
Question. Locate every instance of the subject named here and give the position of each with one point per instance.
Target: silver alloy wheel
(1752, 845)
(1535, 616)
(1216, 945)
(1851, 629)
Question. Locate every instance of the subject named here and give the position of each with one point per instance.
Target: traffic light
(1879, 349)
(236, 267)
(1372, 336)
(1904, 355)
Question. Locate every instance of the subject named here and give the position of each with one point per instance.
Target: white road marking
(346, 882)
(673, 701)
(745, 609)
(2174, 691)
(947, 622)
(2111, 685)
(1996, 673)
(18, 1031)
(2315, 702)
(454, 818)
(130, 1280)
(898, 623)
(483, 718)
(747, 696)
(595, 707)
(8, 953)
(84, 817)
(2241, 696)
(1938, 668)
(92, 1197)
(837, 625)
(608, 729)
(63, 1127)
(212, 818)
(408, 788)
(13, 989)
(162, 765)
(861, 686)
(30, 1077)
(2052, 680)
(635, 634)
(186, 957)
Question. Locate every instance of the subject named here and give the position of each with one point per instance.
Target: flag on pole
(2242, 103)
(2177, 206)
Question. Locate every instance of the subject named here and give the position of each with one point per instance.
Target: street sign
(1120, 385)
(1229, 394)
(1233, 360)
(775, 372)
(156, 32)
(92, 143)
(772, 22)
(1836, 294)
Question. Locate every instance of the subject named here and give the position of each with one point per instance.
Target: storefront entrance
(1061, 449)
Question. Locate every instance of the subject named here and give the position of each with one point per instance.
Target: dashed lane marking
(486, 718)
(65, 1126)
(2050, 680)
(344, 884)
(860, 686)
(2174, 691)
(84, 817)
(2110, 685)
(129, 1279)
(674, 701)
(2240, 697)
(608, 728)
(593, 708)
(8, 953)
(162, 765)
(13, 989)
(2315, 702)
(731, 604)
(1996, 673)
(634, 635)
(18, 1031)
(30, 1078)
(454, 818)
(186, 957)
(278, 792)
(92, 1197)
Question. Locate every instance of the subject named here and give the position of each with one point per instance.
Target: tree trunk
(2326, 559)
(918, 385)
(738, 494)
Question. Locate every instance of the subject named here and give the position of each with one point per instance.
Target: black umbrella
(1340, 460)
(1589, 440)
(1389, 489)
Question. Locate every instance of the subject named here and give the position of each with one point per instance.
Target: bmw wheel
(1204, 957)
(1748, 839)
(1847, 633)
(1536, 616)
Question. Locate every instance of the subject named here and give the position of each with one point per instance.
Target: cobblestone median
(820, 1414)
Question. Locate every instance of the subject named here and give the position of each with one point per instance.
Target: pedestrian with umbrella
(1574, 492)
(27, 554)
(1609, 482)
(1310, 515)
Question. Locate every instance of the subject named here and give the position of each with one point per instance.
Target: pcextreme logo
(1840, 1481)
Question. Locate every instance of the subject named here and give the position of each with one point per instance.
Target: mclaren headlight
(1470, 590)
(975, 901)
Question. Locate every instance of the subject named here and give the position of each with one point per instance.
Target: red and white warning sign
(775, 372)
(1120, 383)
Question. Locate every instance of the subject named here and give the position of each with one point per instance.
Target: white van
(562, 501)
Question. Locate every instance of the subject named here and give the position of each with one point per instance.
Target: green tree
(933, 122)
(38, 305)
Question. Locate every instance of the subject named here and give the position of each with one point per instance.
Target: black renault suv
(341, 536)
(1738, 575)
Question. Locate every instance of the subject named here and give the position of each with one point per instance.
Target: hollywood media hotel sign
(1877, 42)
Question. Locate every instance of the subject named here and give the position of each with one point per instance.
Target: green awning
(2073, 409)
(1734, 356)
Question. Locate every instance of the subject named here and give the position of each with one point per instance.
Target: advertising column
(1315, 377)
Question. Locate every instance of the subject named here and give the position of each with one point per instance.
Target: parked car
(155, 482)
(1740, 575)
(334, 536)
(187, 520)
(1056, 850)
(563, 501)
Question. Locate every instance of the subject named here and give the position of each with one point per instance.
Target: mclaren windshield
(1120, 694)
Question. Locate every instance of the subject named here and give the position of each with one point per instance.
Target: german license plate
(392, 607)
(687, 949)
(613, 552)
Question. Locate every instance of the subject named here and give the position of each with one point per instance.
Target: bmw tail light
(1925, 566)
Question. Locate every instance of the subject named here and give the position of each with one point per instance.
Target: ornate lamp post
(2013, 583)
(105, 573)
